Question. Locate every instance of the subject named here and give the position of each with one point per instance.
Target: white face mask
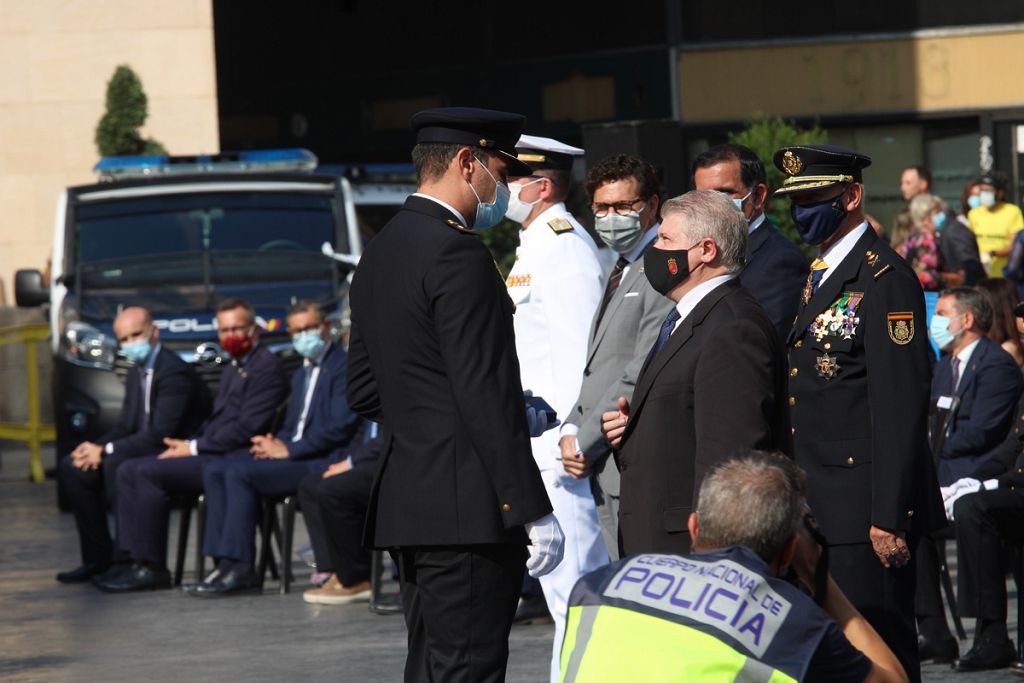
(518, 210)
(988, 198)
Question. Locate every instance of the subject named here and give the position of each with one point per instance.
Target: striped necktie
(614, 279)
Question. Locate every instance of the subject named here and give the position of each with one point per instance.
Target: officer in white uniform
(556, 284)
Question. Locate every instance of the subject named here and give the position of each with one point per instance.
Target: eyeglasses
(621, 208)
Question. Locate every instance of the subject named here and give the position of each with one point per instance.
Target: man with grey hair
(713, 383)
(726, 608)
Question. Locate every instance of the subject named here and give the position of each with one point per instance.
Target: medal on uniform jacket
(901, 327)
(827, 366)
(840, 319)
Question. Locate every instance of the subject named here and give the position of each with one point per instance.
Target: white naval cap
(546, 153)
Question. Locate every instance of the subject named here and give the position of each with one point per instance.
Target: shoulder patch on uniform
(560, 225)
(459, 226)
(901, 326)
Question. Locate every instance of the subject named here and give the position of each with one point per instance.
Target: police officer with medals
(861, 437)
(556, 285)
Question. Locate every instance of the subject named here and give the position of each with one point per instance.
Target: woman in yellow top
(995, 223)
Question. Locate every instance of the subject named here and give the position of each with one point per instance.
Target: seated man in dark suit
(334, 505)
(317, 429)
(975, 388)
(775, 270)
(164, 397)
(714, 382)
(976, 377)
(251, 389)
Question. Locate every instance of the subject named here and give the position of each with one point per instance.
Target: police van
(179, 234)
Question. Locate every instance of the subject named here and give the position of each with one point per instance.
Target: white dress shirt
(690, 300)
(835, 254)
(462, 219)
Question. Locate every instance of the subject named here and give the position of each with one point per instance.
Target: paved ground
(50, 632)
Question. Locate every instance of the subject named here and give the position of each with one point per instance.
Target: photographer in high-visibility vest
(732, 608)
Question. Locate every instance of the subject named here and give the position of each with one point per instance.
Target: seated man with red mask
(251, 389)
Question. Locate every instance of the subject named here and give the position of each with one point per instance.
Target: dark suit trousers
(335, 513)
(982, 520)
(459, 603)
(88, 495)
(145, 488)
(233, 487)
(928, 596)
(885, 597)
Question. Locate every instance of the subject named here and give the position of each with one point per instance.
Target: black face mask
(666, 269)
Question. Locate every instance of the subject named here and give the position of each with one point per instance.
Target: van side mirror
(29, 290)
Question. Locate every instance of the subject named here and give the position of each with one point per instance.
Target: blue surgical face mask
(309, 344)
(987, 198)
(739, 202)
(138, 351)
(974, 201)
(818, 221)
(939, 331)
(939, 221)
(489, 214)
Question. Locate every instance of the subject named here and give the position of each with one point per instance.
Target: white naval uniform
(556, 284)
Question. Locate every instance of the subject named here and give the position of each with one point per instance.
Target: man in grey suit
(625, 199)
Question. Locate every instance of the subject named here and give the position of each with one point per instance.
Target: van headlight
(83, 344)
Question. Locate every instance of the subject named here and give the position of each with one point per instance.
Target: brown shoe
(334, 593)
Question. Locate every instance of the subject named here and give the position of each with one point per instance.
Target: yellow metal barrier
(33, 433)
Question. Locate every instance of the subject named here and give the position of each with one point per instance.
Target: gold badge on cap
(901, 327)
(791, 163)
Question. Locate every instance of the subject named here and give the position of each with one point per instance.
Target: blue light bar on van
(297, 159)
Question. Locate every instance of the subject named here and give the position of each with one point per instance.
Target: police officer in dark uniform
(432, 353)
(861, 436)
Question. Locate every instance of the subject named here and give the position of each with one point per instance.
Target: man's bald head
(133, 324)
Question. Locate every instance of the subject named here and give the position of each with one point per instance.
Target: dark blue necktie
(666, 331)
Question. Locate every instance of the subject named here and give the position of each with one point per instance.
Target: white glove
(547, 542)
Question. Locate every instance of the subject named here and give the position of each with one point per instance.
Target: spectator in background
(995, 222)
(958, 247)
(969, 199)
(1005, 327)
(914, 181)
(902, 227)
(921, 248)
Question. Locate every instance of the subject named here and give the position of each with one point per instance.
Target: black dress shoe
(229, 583)
(939, 650)
(115, 571)
(987, 654)
(82, 574)
(532, 610)
(387, 604)
(140, 577)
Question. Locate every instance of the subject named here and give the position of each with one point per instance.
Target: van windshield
(204, 237)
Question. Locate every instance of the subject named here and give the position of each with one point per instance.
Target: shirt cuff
(193, 447)
(568, 430)
(349, 461)
(990, 484)
(109, 448)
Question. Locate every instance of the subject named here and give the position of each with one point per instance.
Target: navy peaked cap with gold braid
(495, 131)
(810, 167)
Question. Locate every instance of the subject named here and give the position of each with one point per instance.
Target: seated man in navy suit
(251, 389)
(975, 389)
(164, 397)
(317, 429)
(776, 270)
